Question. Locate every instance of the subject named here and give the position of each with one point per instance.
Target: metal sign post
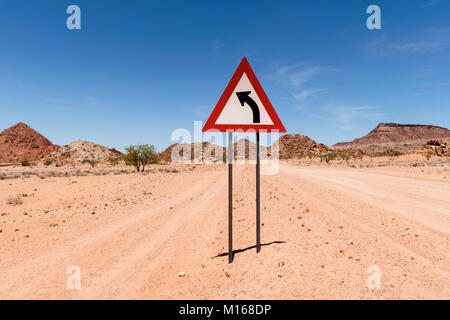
(243, 94)
(258, 215)
(230, 197)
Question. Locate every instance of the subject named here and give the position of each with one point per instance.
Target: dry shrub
(15, 200)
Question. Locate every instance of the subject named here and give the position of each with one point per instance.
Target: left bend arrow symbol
(244, 97)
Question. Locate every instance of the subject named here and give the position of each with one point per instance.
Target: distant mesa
(21, 143)
(394, 132)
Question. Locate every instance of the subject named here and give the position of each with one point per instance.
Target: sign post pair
(243, 106)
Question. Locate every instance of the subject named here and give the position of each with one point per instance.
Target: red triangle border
(244, 67)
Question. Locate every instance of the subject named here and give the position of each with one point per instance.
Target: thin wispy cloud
(431, 3)
(201, 111)
(345, 117)
(218, 45)
(427, 41)
(300, 76)
(282, 71)
(295, 77)
(306, 93)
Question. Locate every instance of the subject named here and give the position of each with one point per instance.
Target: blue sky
(137, 70)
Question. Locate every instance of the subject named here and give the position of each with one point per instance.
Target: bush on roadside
(113, 161)
(389, 153)
(26, 163)
(15, 200)
(140, 156)
(93, 163)
(328, 157)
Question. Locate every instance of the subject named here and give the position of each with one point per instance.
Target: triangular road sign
(244, 105)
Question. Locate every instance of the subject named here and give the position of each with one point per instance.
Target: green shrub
(26, 163)
(389, 153)
(15, 200)
(113, 161)
(92, 162)
(344, 156)
(329, 157)
(140, 155)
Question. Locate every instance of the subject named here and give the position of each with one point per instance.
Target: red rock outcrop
(21, 143)
(294, 145)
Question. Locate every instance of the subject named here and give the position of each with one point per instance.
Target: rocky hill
(246, 149)
(20, 142)
(294, 145)
(208, 151)
(289, 146)
(437, 147)
(393, 132)
(82, 152)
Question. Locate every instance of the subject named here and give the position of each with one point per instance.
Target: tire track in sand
(98, 252)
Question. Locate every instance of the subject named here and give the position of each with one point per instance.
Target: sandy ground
(132, 234)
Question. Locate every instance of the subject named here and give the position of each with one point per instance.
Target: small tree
(147, 155)
(131, 157)
(140, 155)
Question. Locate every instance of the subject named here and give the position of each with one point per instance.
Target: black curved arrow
(243, 98)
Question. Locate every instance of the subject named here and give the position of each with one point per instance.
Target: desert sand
(163, 234)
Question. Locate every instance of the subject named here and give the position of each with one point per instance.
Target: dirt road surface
(164, 235)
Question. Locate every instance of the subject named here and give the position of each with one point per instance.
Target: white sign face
(244, 106)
